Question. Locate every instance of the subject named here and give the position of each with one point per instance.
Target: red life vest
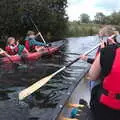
(111, 83)
(28, 47)
(11, 51)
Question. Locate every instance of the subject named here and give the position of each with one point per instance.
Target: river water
(41, 104)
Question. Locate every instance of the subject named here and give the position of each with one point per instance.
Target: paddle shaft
(86, 53)
(37, 30)
(28, 91)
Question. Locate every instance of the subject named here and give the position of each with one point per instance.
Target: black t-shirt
(107, 58)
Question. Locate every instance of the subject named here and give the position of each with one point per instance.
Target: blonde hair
(9, 39)
(108, 30)
(30, 32)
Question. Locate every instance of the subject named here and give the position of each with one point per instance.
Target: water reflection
(47, 97)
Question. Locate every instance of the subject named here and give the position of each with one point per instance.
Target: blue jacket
(33, 42)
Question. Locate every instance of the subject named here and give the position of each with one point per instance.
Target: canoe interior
(77, 91)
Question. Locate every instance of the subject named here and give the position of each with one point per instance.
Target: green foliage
(49, 15)
(113, 19)
(99, 18)
(84, 18)
(76, 29)
(85, 27)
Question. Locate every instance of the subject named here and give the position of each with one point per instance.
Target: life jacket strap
(110, 94)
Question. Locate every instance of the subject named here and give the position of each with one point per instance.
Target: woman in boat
(31, 44)
(105, 98)
(111, 40)
(14, 48)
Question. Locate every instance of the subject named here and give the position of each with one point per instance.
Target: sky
(77, 7)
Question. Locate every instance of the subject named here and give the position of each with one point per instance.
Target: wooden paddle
(39, 33)
(37, 30)
(64, 118)
(28, 91)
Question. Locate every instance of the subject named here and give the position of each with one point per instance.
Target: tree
(84, 18)
(99, 18)
(115, 18)
(49, 15)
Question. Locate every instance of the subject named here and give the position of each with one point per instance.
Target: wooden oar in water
(28, 91)
(63, 118)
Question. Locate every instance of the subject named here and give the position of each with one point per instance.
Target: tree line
(101, 18)
(87, 27)
(49, 16)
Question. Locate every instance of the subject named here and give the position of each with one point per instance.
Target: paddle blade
(64, 118)
(28, 91)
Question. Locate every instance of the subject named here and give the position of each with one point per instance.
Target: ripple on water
(43, 102)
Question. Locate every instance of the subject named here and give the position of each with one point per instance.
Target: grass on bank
(76, 29)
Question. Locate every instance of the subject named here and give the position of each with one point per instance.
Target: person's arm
(95, 69)
(85, 58)
(37, 43)
(1, 52)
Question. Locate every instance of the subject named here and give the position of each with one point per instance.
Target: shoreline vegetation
(51, 18)
(77, 29)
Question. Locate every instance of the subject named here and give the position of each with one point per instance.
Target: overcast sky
(76, 7)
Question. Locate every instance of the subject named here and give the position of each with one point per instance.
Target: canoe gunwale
(66, 97)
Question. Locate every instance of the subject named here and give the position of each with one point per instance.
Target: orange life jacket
(111, 84)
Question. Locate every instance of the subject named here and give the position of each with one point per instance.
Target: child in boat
(31, 44)
(14, 48)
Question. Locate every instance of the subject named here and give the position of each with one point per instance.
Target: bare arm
(95, 69)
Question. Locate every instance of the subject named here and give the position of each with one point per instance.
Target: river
(42, 103)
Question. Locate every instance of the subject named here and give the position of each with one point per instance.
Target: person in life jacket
(31, 43)
(106, 98)
(110, 40)
(14, 48)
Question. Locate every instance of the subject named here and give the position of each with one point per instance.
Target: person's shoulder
(109, 48)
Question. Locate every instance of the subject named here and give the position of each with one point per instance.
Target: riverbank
(77, 29)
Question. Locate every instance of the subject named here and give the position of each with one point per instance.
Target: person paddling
(105, 98)
(14, 48)
(31, 43)
(110, 40)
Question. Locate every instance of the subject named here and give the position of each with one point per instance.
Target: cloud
(108, 4)
(77, 7)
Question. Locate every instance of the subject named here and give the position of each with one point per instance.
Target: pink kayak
(31, 56)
